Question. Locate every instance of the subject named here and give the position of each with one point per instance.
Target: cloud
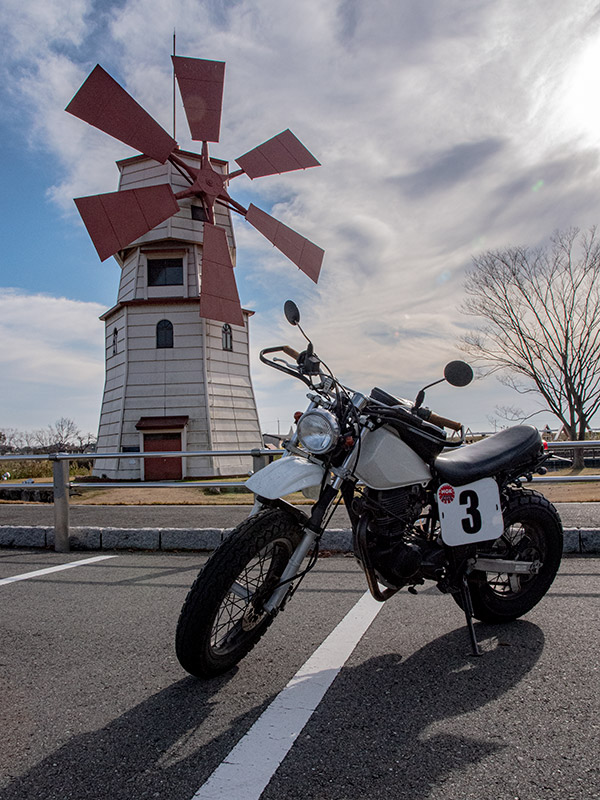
(433, 122)
(51, 359)
(450, 167)
(30, 28)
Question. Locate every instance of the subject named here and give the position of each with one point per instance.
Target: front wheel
(532, 532)
(222, 617)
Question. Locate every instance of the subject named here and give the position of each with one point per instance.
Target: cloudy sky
(444, 127)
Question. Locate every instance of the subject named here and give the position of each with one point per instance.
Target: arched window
(164, 333)
(227, 337)
(115, 337)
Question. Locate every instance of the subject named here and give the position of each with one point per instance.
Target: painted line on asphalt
(249, 767)
(47, 570)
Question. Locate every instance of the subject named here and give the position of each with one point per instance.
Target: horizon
(442, 131)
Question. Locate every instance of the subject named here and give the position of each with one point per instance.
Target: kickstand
(465, 596)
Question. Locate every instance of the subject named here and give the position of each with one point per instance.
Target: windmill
(175, 379)
(116, 219)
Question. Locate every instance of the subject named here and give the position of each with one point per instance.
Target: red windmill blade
(103, 103)
(117, 219)
(282, 153)
(298, 249)
(201, 85)
(219, 297)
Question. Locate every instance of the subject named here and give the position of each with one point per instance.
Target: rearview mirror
(292, 314)
(458, 373)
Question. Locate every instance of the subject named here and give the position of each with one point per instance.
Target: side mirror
(458, 373)
(292, 314)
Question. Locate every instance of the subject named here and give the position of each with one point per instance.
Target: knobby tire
(221, 619)
(532, 531)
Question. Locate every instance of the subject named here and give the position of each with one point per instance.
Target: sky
(443, 127)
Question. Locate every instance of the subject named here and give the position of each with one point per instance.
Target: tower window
(165, 272)
(114, 341)
(164, 334)
(227, 337)
(199, 214)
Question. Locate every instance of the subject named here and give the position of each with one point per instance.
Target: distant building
(174, 381)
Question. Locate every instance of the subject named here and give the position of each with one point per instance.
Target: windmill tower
(177, 359)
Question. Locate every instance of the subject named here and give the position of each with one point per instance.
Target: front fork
(291, 570)
(312, 531)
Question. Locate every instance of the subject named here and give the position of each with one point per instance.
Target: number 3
(472, 523)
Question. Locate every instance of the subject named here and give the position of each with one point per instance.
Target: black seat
(509, 448)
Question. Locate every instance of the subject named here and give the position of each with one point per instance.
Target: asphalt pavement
(96, 707)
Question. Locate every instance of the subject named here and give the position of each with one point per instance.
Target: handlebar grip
(289, 351)
(444, 422)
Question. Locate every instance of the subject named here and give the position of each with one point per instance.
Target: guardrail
(61, 485)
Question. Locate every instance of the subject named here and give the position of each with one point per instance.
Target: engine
(396, 547)
(396, 510)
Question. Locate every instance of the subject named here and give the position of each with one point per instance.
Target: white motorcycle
(423, 506)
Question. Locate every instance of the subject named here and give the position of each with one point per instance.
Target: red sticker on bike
(446, 493)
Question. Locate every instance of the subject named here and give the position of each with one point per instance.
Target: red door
(162, 469)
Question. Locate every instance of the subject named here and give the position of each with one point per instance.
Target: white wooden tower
(174, 381)
(176, 378)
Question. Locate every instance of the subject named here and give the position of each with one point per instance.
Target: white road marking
(25, 575)
(249, 767)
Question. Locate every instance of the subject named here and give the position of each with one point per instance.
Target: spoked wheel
(223, 616)
(533, 533)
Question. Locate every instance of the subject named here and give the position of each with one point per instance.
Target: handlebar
(444, 422)
(289, 351)
(298, 372)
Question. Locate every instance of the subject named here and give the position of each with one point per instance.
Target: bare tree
(86, 441)
(10, 440)
(41, 439)
(539, 312)
(66, 433)
(58, 437)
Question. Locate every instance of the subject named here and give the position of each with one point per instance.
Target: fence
(61, 485)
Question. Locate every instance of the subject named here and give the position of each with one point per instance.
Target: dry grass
(573, 492)
(168, 496)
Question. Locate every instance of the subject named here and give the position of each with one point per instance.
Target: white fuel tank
(386, 462)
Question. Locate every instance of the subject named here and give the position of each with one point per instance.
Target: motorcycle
(423, 506)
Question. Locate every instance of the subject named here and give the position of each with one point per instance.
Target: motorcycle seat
(503, 451)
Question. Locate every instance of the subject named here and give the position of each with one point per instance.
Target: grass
(568, 492)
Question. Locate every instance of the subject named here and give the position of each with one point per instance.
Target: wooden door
(162, 469)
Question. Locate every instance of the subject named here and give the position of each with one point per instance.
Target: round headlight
(318, 431)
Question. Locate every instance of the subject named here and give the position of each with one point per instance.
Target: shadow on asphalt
(373, 716)
(374, 735)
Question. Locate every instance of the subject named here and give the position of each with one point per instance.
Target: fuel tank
(386, 462)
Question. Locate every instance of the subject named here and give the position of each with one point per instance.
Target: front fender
(284, 476)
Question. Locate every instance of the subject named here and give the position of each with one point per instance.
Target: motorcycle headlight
(318, 431)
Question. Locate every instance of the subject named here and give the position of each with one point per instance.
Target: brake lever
(286, 363)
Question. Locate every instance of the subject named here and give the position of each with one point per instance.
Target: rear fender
(287, 475)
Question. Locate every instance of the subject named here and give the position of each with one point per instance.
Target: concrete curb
(576, 540)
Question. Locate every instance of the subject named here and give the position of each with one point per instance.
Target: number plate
(470, 513)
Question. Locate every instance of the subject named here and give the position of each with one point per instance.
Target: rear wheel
(222, 617)
(532, 532)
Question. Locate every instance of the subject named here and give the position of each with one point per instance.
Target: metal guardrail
(61, 485)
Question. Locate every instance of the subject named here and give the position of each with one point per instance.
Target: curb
(580, 541)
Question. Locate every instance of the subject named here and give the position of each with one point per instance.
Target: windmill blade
(103, 103)
(219, 297)
(201, 86)
(304, 254)
(282, 153)
(117, 219)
